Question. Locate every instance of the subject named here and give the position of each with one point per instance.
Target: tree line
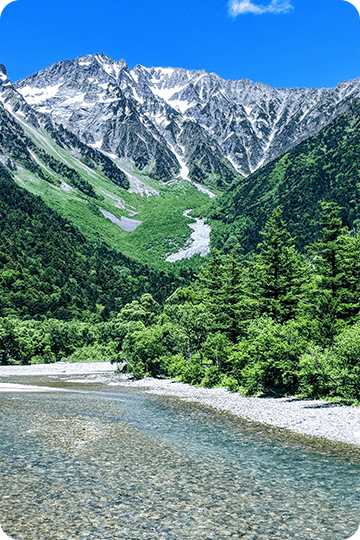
(280, 322)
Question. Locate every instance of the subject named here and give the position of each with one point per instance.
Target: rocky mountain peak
(171, 121)
(13, 101)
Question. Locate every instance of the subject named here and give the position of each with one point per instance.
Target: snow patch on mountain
(97, 144)
(203, 189)
(126, 224)
(140, 113)
(165, 71)
(184, 169)
(108, 65)
(78, 98)
(65, 187)
(34, 96)
(137, 186)
(200, 241)
(181, 105)
(166, 93)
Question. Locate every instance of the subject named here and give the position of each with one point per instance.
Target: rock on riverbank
(309, 417)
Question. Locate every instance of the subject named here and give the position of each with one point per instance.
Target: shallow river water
(103, 462)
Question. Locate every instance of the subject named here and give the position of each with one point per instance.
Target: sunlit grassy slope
(163, 230)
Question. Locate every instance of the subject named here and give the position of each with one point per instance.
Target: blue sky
(283, 43)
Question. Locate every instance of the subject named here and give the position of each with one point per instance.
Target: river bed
(104, 462)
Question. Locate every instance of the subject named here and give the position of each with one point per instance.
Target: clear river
(107, 462)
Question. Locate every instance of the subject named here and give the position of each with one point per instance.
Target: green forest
(49, 270)
(274, 310)
(278, 321)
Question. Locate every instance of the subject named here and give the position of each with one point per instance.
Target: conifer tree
(224, 290)
(278, 271)
(335, 290)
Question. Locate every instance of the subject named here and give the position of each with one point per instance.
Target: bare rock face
(171, 122)
(13, 101)
(15, 113)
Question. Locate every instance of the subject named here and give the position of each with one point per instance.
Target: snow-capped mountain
(24, 132)
(173, 122)
(13, 101)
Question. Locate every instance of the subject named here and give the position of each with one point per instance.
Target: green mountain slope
(92, 191)
(48, 269)
(325, 167)
(17, 144)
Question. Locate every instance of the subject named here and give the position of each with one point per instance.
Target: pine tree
(335, 290)
(224, 287)
(278, 271)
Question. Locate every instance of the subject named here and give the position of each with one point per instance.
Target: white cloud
(239, 7)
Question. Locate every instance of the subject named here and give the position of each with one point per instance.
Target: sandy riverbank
(310, 417)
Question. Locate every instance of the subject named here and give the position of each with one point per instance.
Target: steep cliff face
(27, 135)
(174, 122)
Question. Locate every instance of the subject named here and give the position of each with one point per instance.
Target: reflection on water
(105, 462)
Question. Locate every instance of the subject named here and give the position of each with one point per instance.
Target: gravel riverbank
(58, 368)
(309, 417)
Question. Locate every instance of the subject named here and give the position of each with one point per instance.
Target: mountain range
(324, 167)
(170, 121)
(102, 143)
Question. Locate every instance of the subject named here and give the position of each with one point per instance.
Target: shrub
(229, 382)
(190, 371)
(268, 360)
(176, 364)
(315, 376)
(335, 371)
(211, 378)
(93, 353)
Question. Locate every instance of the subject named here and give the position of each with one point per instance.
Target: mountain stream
(89, 460)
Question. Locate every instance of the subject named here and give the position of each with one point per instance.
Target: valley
(156, 211)
(179, 261)
(179, 270)
(157, 207)
(123, 153)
